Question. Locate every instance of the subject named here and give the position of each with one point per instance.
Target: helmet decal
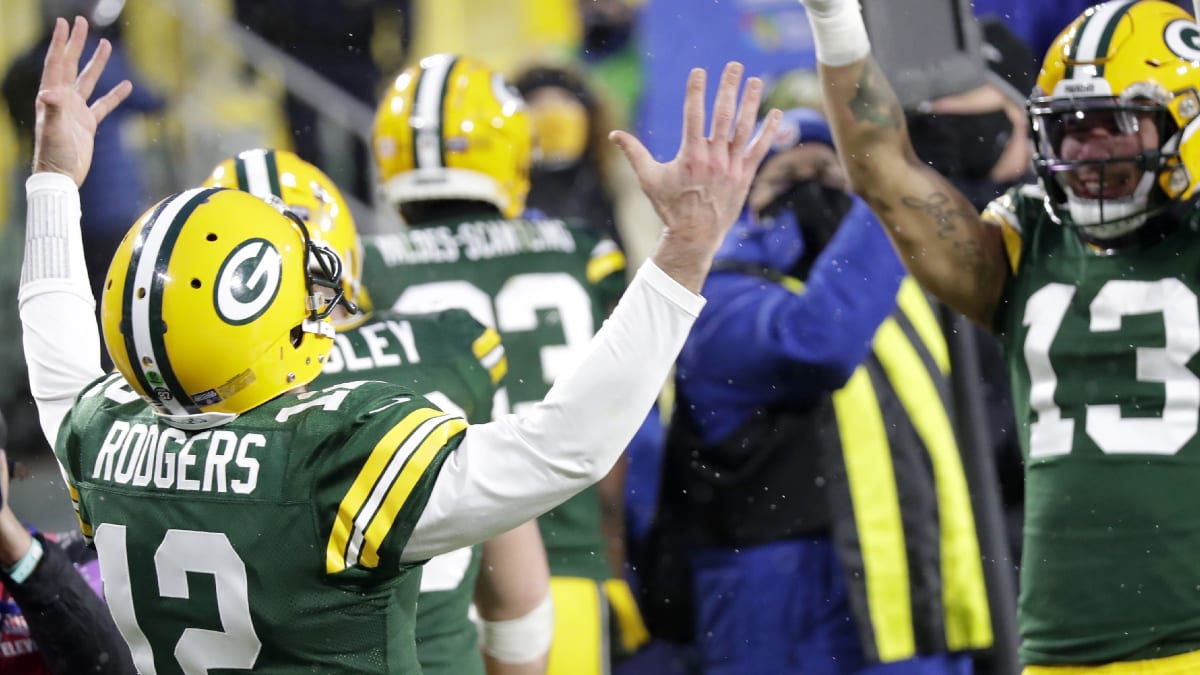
(144, 333)
(247, 282)
(1183, 38)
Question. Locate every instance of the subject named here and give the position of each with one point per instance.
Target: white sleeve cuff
(51, 180)
(53, 242)
(671, 289)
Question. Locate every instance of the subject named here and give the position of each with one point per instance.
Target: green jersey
(271, 544)
(455, 362)
(546, 285)
(448, 357)
(1102, 356)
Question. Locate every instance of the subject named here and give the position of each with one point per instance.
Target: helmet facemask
(323, 270)
(1105, 197)
(289, 183)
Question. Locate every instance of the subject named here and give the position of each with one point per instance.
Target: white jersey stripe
(1093, 33)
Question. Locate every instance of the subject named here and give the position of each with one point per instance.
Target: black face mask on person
(818, 210)
(960, 146)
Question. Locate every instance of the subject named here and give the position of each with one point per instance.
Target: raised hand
(700, 192)
(65, 132)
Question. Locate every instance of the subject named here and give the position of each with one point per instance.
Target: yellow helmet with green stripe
(1126, 63)
(450, 128)
(211, 308)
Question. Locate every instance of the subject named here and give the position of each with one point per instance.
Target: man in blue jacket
(814, 517)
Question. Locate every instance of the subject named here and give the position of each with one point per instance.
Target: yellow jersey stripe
(491, 354)
(360, 489)
(912, 302)
(499, 370)
(1012, 245)
(1187, 662)
(404, 484)
(603, 265)
(633, 629)
(579, 605)
(84, 526)
(868, 459)
(964, 596)
(485, 343)
(379, 490)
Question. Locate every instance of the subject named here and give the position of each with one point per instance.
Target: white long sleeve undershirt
(504, 472)
(60, 337)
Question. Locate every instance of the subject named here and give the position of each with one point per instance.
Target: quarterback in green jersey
(545, 284)
(1090, 278)
(453, 361)
(246, 522)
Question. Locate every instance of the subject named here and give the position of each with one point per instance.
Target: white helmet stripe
(426, 119)
(1097, 34)
(143, 357)
(258, 182)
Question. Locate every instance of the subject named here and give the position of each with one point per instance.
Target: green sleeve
(375, 474)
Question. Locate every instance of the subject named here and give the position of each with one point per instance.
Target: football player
(456, 363)
(453, 146)
(247, 523)
(1090, 278)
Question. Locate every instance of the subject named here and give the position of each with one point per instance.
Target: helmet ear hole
(196, 283)
(297, 335)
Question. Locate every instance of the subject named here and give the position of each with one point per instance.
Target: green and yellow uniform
(1102, 351)
(456, 363)
(336, 477)
(546, 286)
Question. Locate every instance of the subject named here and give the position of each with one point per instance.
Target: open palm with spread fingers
(700, 192)
(65, 131)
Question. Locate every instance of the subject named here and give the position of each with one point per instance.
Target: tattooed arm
(940, 237)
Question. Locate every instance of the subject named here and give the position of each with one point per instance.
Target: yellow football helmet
(450, 128)
(210, 306)
(1121, 64)
(308, 193)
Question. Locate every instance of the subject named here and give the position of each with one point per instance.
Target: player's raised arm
(937, 232)
(62, 344)
(519, 466)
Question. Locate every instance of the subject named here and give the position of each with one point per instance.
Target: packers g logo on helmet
(210, 306)
(247, 282)
(450, 128)
(282, 177)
